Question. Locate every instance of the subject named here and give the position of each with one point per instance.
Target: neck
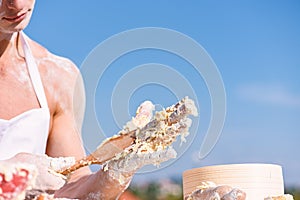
(8, 41)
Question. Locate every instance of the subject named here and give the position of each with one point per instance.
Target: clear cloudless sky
(255, 45)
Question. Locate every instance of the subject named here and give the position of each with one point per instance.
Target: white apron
(27, 132)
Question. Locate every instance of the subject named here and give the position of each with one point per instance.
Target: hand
(44, 167)
(153, 142)
(122, 169)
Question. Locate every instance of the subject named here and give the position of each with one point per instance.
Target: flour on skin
(21, 76)
(52, 68)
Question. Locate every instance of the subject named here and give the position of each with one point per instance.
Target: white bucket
(257, 180)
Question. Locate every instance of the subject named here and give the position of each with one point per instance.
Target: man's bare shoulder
(59, 74)
(52, 63)
(57, 67)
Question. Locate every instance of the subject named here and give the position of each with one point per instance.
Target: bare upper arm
(69, 99)
(64, 138)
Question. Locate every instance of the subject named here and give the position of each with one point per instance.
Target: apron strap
(33, 72)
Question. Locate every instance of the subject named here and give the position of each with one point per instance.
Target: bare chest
(16, 92)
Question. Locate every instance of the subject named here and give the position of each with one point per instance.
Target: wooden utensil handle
(89, 160)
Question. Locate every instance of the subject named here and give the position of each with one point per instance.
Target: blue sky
(255, 46)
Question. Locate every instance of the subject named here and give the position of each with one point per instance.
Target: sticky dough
(153, 143)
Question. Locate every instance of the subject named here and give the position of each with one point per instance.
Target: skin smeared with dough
(46, 177)
(143, 116)
(20, 176)
(153, 143)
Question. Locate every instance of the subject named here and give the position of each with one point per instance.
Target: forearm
(100, 185)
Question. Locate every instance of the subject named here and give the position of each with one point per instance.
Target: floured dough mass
(283, 197)
(211, 191)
